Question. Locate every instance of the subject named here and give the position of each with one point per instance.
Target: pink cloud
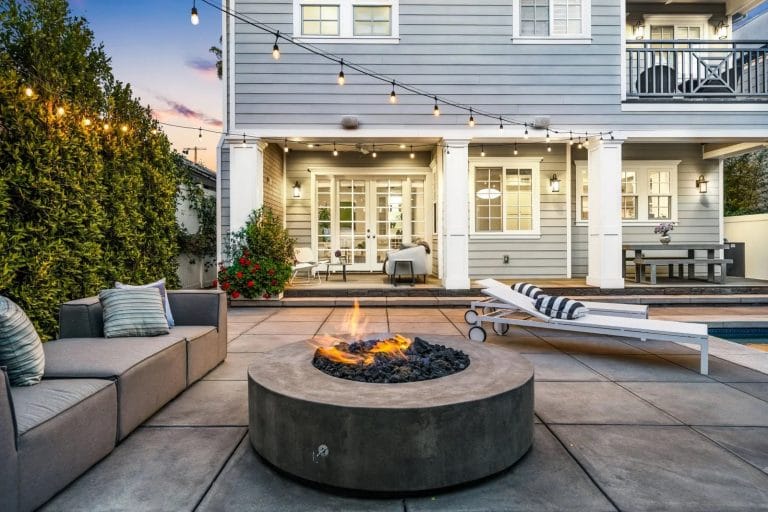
(175, 110)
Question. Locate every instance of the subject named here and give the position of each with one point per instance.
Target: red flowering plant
(261, 255)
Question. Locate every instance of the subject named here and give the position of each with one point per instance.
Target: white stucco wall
(753, 231)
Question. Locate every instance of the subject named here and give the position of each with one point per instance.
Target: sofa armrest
(199, 307)
(9, 471)
(81, 318)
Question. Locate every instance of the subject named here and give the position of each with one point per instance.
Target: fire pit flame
(392, 347)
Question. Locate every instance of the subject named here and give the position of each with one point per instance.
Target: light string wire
(383, 78)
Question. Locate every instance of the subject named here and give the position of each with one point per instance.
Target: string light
(436, 110)
(200, 133)
(570, 139)
(244, 141)
(285, 145)
(335, 151)
(340, 80)
(547, 138)
(194, 18)
(86, 121)
(275, 48)
(549, 148)
(515, 150)
(482, 150)
(501, 123)
(106, 127)
(393, 94)
(402, 146)
(412, 155)
(471, 119)
(580, 146)
(124, 128)
(525, 135)
(153, 132)
(28, 92)
(310, 145)
(60, 111)
(374, 154)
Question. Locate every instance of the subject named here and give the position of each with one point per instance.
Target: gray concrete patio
(621, 425)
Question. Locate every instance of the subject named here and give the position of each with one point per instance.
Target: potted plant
(260, 256)
(663, 229)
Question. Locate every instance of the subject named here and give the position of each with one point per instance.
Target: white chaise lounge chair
(665, 330)
(599, 308)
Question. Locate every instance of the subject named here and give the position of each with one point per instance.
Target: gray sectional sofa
(96, 391)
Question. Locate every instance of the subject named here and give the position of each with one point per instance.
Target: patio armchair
(419, 257)
(306, 262)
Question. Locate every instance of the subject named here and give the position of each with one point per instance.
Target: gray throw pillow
(21, 350)
(133, 312)
(160, 285)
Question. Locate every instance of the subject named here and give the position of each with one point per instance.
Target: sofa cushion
(21, 350)
(36, 405)
(133, 312)
(203, 352)
(149, 371)
(68, 426)
(160, 285)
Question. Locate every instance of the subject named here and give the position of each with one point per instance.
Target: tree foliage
(746, 184)
(202, 243)
(82, 203)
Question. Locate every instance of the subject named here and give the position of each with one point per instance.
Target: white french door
(365, 217)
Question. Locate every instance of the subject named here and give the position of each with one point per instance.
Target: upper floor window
(346, 20)
(552, 20)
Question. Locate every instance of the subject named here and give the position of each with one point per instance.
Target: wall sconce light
(722, 30)
(297, 190)
(554, 183)
(701, 184)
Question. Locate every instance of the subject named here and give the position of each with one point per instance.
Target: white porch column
(604, 255)
(455, 198)
(246, 181)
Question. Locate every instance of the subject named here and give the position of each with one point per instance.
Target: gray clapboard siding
(460, 49)
(225, 188)
(698, 214)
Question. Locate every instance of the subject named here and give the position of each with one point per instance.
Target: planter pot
(665, 239)
(258, 301)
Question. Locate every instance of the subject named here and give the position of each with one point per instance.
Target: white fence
(753, 231)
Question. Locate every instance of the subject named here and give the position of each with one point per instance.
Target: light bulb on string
(244, 141)
(106, 127)
(547, 139)
(335, 151)
(515, 150)
(570, 139)
(124, 128)
(436, 110)
(373, 153)
(285, 145)
(154, 131)
(60, 111)
(580, 146)
(28, 92)
(86, 121)
(525, 135)
(549, 148)
(310, 145)
(402, 146)
(471, 118)
(193, 17)
(200, 133)
(501, 123)
(275, 48)
(341, 79)
(412, 155)
(482, 150)
(393, 94)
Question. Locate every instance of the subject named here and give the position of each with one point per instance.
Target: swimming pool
(743, 335)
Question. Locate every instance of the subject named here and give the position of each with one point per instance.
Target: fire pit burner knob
(321, 452)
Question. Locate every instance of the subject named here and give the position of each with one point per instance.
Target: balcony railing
(689, 71)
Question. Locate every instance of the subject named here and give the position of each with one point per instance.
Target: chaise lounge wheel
(500, 328)
(470, 316)
(477, 334)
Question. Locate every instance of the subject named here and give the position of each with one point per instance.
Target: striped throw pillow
(133, 312)
(160, 285)
(21, 350)
(528, 290)
(560, 307)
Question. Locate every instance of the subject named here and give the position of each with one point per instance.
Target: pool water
(742, 335)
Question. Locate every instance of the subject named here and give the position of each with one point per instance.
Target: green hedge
(80, 206)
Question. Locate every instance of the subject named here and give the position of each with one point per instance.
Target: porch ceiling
(731, 6)
(383, 144)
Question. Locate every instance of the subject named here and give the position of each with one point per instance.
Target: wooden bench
(640, 264)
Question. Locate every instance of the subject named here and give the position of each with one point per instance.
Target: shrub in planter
(260, 255)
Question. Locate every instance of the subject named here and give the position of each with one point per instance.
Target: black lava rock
(422, 361)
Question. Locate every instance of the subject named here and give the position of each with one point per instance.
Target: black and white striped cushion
(560, 307)
(528, 290)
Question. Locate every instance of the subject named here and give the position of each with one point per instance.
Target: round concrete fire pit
(391, 437)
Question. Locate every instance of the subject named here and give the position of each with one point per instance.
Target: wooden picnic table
(641, 259)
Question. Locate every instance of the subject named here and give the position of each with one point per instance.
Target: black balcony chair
(657, 80)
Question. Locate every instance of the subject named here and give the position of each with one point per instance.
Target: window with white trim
(346, 20)
(648, 190)
(505, 196)
(552, 19)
